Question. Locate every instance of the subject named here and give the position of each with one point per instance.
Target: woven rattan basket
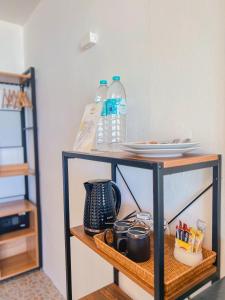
(176, 273)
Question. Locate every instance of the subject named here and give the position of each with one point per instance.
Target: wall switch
(89, 40)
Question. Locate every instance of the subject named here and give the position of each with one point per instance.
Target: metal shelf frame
(159, 172)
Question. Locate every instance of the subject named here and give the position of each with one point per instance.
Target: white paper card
(85, 139)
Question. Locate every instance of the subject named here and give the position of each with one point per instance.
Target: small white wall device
(89, 40)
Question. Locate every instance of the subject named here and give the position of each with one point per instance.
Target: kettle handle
(117, 196)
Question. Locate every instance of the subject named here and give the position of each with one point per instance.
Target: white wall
(11, 50)
(11, 60)
(171, 58)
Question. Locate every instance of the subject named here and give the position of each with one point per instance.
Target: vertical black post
(67, 227)
(216, 214)
(24, 144)
(158, 209)
(36, 159)
(115, 271)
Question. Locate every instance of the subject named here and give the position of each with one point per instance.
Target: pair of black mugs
(131, 239)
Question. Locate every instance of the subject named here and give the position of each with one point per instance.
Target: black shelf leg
(24, 145)
(36, 159)
(115, 271)
(67, 227)
(158, 209)
(216, 214)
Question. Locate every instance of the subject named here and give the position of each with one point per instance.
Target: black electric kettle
(102, 204)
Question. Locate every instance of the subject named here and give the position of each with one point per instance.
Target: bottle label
(104, 109)
(122, 107)
(116, 106)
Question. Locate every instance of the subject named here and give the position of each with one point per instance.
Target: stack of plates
(160, 149)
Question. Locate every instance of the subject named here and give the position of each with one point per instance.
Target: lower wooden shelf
(206, 274)
(109, 292)
(16, 235)
(19, 249)
(16, 264)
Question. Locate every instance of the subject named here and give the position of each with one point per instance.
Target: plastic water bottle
(116, 107)
(102, 126)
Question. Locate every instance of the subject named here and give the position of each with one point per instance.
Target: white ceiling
(17, 11)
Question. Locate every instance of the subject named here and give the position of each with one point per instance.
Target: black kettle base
(91, 231)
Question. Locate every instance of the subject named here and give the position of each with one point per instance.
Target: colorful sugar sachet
(189, 238)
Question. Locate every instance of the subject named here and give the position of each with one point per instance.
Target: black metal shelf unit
(27, 80)
(160, 169)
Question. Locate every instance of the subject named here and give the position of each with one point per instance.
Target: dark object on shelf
(119, 235)
(102, 205)
(214, 292)
(138, 243)
(14, 222)
(129, 239)
(129, 216)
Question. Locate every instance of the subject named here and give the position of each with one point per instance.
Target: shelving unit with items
(162, 276)
(20, 248)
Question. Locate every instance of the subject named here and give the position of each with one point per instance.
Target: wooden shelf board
(16, 207)
(15, 170)
(16, 235)
(15, 265)
(79, 233)
(13, 77)
(184, 160)
(109, 292)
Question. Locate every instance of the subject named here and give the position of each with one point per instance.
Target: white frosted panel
(11, 156)
(10, 129)
(29, 116)
(30, 156)
(1, 97)
(9, 199)
(32, 188)
(30, 148)
(10, 186)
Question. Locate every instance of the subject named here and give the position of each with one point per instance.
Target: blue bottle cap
(116, 78)
(103, 81)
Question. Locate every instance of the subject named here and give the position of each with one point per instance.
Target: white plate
(160, 146)
(160, 152)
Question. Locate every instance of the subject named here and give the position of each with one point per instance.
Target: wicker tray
(176, 273)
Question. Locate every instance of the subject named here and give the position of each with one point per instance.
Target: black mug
(132, 240)
(138, 243)
(119, 235)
